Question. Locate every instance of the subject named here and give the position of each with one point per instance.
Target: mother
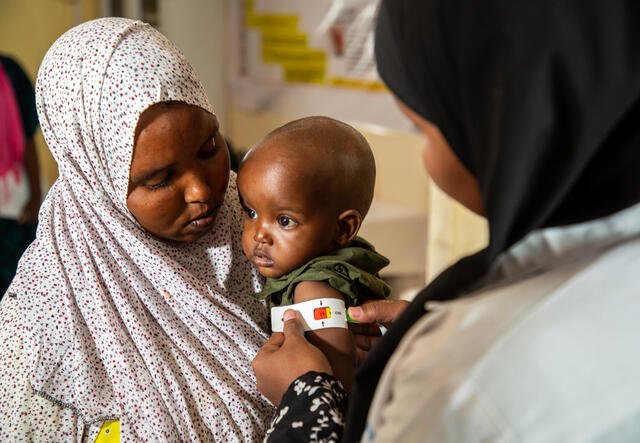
(131, 304)
(531, 111)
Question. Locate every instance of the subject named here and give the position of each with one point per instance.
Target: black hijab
(539, 100)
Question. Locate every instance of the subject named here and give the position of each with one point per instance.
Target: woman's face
(444, 167)
(179, 171)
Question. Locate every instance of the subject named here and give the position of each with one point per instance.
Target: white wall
(197, 28)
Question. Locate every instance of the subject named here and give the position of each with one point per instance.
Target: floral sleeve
(312, 410)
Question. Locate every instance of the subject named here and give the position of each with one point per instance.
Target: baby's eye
(251, 213)
(286, 222)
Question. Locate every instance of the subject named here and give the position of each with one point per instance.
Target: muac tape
(316, 314)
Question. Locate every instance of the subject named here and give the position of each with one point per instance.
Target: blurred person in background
(19, 176)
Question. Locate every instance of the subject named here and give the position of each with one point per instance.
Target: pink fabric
(11, 133)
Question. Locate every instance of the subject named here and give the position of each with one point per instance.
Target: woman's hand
(372, 313)
(286, 356)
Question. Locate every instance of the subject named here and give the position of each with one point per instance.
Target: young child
(306, 188)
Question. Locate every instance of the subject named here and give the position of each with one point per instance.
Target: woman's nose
(197, 189)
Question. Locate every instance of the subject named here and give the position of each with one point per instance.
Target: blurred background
(266, 62)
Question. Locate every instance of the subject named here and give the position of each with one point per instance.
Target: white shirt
(548, 351)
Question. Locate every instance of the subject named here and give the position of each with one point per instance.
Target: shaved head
(329, 157)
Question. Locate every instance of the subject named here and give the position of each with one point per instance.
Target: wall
(27, 29)
(197, 28)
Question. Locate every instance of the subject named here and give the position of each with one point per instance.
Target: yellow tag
(109, 432)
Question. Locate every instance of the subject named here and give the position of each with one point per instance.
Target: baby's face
(284, 225)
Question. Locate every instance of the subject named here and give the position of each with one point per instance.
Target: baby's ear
(349, 223)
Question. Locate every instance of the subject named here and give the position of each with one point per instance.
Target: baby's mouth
(262, 260)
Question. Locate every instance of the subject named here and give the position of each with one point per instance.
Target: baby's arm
(336, 343)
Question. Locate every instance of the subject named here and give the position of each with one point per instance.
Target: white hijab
(119, 324)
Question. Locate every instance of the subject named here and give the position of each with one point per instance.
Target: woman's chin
(187, 235)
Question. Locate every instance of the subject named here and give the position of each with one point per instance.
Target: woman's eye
(208, 150)
(162, 184)
(159, 185)
(251, 213)
(286, 222)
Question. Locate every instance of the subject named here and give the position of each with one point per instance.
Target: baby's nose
(262, 235)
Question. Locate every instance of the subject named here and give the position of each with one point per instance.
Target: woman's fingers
(286, 356)
(378, 311)
(365, 329)
(366, 342)
(370, 314)
(274, 343)
(291, 328)
(360, 355)
(292, 325)
(365, 336)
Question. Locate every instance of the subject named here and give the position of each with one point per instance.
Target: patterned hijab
(119, 324)
(539, 100)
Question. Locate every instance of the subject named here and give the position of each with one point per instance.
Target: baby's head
(305, 189)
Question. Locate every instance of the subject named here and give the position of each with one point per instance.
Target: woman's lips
(205, 220)
(261, 260)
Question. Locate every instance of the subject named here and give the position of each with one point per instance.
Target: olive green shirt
(352, 270)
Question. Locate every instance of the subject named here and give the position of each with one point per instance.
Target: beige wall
(197, 27)
(27, 29)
